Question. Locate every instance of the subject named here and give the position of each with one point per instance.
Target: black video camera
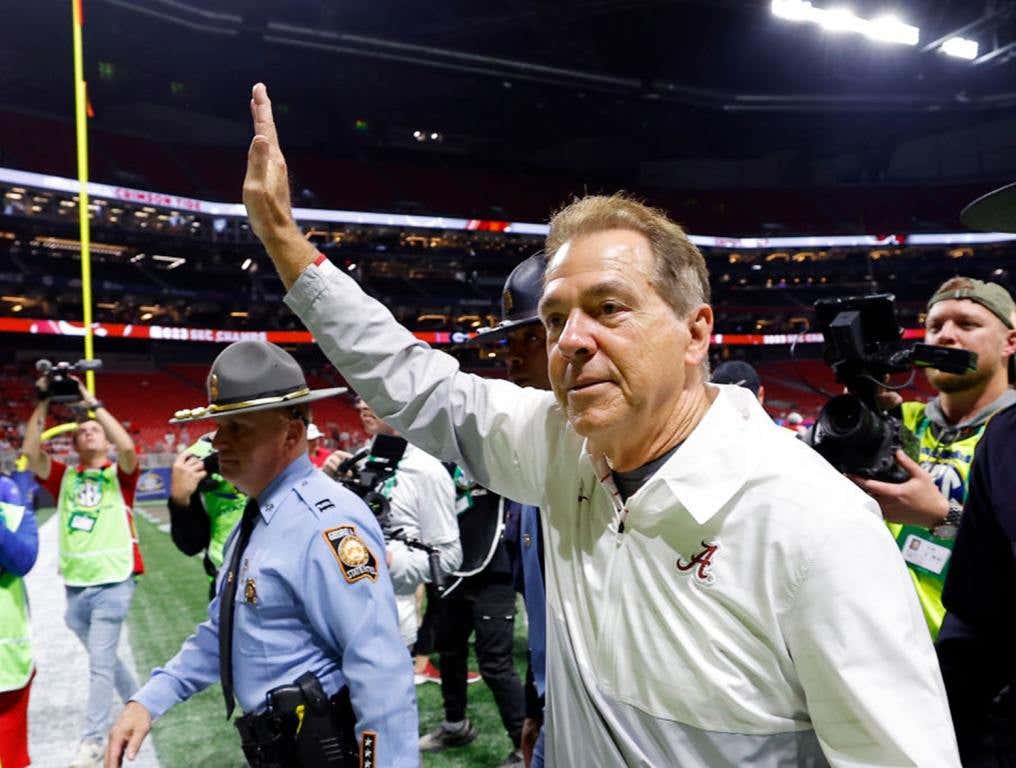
(61, 387)
(368, 481)
(211, 466)
(863, 345)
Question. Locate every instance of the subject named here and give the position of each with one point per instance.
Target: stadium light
(891, 30)
(884, 29)
(960, 47)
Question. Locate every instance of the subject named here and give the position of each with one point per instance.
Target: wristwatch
(949, 527)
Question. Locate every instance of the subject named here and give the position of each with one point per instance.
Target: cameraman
(924, 511)
(204, 507)
(99, 553)
(421, 496)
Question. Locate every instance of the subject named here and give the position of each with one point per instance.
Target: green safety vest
(223, 504)
(96, 540)
(15, 633)
(928, 555)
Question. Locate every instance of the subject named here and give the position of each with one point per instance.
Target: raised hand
(188, 472)
(266, 194)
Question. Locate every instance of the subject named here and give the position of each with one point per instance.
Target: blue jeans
(537, 761)
(95, 615)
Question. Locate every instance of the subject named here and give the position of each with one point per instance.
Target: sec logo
(89, 494)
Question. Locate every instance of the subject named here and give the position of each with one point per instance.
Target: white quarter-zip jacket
(752, 610)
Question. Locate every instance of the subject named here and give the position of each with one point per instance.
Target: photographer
(204, 507)
(421, 496)
(99, 554)
(924, 511)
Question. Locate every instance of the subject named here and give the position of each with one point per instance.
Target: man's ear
(1010, 342)
(295, 430)
(700, 327)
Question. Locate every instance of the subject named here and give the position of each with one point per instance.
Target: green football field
(170, 601)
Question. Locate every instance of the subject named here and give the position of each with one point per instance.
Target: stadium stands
(146, 399)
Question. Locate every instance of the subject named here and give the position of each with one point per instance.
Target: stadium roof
(637, 91)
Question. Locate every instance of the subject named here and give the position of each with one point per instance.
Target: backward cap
(737, 372)
(991, 296)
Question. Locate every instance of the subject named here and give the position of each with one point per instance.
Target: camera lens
(211, 463)
(844, 415)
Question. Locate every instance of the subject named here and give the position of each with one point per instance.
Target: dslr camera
(863, 345)
(61, 387)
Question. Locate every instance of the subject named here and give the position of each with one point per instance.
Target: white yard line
(56, 709)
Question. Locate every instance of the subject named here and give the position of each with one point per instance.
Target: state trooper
(303, 623)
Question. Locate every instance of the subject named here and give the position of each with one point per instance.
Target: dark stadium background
(736, 122)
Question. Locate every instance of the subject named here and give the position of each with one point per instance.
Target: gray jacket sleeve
(497, 431)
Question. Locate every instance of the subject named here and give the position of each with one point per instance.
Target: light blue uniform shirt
(301, 608)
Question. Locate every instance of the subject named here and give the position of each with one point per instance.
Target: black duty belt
(301, 728)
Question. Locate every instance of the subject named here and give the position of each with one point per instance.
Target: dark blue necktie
(227, 601)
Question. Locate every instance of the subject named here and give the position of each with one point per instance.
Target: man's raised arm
(31, 446)
(498, 431)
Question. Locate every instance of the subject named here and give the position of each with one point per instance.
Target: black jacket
(975, 645)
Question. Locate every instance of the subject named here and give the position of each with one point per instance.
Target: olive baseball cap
(991, 296)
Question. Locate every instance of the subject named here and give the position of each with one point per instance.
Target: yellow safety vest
(928, 555)
(96, 540)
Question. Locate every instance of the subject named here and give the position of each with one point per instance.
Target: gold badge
(507, 301)
(213, 388)
(250, 592)
(353, 552)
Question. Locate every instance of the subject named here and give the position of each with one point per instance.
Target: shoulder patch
(356, 561)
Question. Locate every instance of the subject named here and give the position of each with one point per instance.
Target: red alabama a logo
(700, 563)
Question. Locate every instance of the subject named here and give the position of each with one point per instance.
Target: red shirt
(320, 456)
(127, 485)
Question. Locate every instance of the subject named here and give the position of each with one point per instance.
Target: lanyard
(606, 478)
